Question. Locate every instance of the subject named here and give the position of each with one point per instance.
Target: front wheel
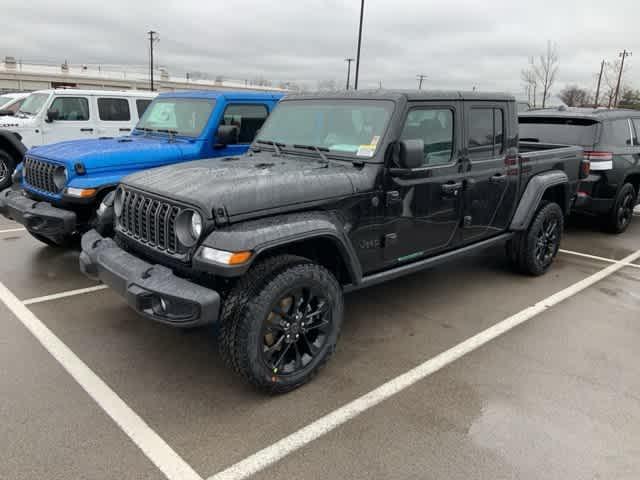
(7, 166)
(282, 323)
(622, 212)
(533, 251)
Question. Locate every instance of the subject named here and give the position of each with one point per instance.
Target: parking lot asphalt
(557, 397)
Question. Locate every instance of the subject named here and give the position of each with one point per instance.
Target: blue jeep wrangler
(63, 184)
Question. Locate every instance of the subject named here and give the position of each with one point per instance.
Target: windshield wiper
(276, 145)
(172, 133)
(318, 150)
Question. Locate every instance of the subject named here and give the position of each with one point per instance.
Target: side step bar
(409, 268)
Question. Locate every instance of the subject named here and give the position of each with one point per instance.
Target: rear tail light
(585, 168)
(599, 160)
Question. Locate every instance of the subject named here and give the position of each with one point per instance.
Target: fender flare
(262, 235)
(13, 141)
(532, 196)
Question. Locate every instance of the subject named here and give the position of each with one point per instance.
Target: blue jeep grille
(39, 175)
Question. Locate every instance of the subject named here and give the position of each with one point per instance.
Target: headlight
(60, 177)
(118, 201)
(188, 227)
(196, 225)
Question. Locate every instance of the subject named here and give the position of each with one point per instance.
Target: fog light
(159, 306)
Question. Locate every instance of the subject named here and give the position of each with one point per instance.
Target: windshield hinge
(220, 216)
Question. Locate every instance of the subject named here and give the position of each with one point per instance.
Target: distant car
(610, 140)
(64, 183)
(49, 116)
(10, 102)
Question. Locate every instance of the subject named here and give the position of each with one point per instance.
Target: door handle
(86, 129)
(498, 178)
(451, 188)
(125, 129)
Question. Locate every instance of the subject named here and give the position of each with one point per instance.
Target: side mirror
(227, 135)
(52, 115)
(6, 113)
(411, 153)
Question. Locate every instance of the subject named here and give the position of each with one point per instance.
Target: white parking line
(151, 444)
(594, 257)
(270, 455)
(68, 293)
(13, 230)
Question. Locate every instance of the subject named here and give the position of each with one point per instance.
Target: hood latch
(220, 216)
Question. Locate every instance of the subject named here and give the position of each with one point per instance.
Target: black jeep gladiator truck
(611, 145)
(337, 192)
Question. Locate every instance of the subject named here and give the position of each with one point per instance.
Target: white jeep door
(73, 120)
(114, 116)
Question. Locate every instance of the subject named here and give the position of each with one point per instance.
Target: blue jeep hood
(131, 153)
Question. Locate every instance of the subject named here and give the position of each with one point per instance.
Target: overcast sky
(457, 43)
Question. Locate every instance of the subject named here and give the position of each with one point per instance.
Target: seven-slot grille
(39, 174)
(149, 220)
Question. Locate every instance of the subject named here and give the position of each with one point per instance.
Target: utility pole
(420, 78)
(152, 39)
(624, 54)
(355, 86)
(348, 60)
(599, 81)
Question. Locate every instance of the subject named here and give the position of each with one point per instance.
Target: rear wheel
(622, 212)
(281, 323)
(7, 166)
(532, 252)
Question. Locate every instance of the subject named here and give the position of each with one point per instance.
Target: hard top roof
(105, 93)
(410, 95)
(589, 113)
(226, 94)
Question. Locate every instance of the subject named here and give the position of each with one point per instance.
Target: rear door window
(617, 133)
(559, 130)
(114, 109)
(636, 127)
(141, 105)
(486, 128)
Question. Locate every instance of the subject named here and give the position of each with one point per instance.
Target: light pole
(348, 60)
(420, 78)
(152, 39)
(624, 54)
(355, 86)
(598, 87)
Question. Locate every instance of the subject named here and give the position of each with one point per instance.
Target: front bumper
(151, 290)
(36, 216)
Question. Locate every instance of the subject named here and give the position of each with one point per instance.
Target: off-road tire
(521, 250)
(619, 218)
(248, 303)
(7, 166)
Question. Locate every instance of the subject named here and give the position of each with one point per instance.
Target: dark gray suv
(610, 140)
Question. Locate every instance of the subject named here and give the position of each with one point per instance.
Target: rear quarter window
(616, 133)
(559, 130)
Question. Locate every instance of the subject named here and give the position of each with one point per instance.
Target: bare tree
(546, 71)
(574, 96)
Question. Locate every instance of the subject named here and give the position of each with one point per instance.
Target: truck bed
(548, 156)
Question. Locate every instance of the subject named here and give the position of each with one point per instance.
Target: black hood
(248, 184)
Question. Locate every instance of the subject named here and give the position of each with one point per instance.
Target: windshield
(34, 103)
(182, 116)
(564, 131)
(352, 127)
